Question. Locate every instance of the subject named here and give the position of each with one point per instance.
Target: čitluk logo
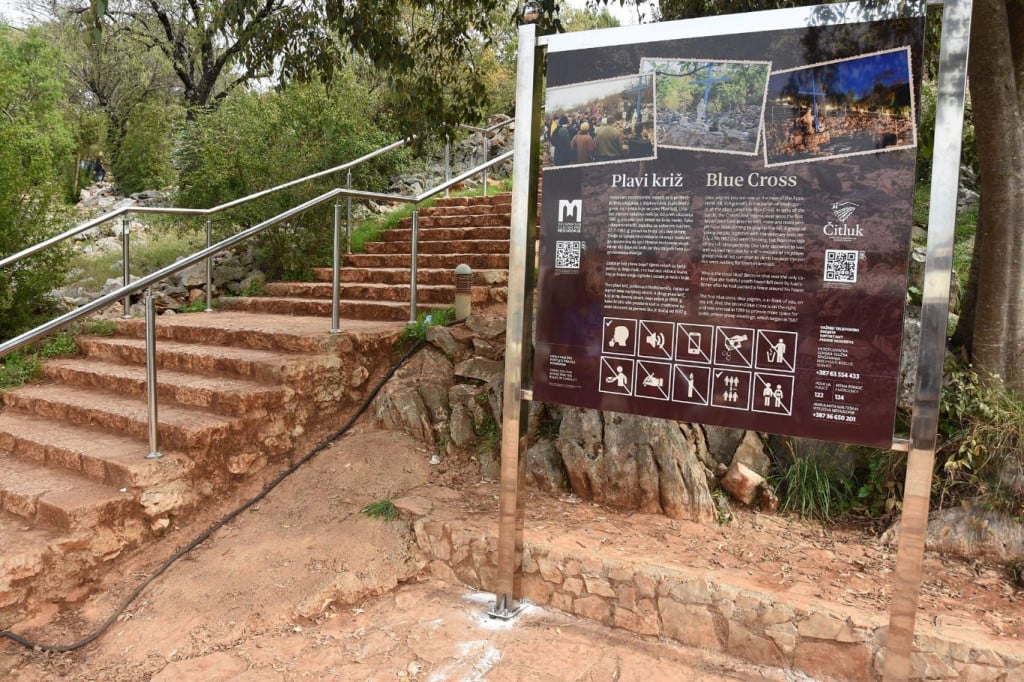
(843, 229)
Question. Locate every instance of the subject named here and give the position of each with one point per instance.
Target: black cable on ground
(61, 649)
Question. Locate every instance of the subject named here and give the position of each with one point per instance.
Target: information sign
(725, 227)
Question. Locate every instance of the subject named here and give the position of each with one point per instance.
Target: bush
(982, 425)
(35, 145)
(143, 157)
(258, 140)
(814, 489)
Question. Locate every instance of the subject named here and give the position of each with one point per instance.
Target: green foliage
(880, 493)
(258, 140)
(19, 368)
(143, 157)
(35, 147)
(926, 133)
(488, 432)
(382, 509)
(162, 245)
(1016, 570)
(723, 512)
(982, 425)
(415, 333)
(61, 344)
(814, 489)
(100, 327)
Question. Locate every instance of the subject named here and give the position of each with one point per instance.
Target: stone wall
(696, 609)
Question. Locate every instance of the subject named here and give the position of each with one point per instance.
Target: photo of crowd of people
(843, 108)
(599, 122)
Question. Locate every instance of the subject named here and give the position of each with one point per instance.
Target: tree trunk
(997, 89)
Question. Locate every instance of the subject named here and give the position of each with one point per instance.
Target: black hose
(61, 649)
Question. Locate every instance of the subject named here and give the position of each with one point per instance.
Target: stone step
(104, 457)
(193, 430)
(449, 234)
(58, 499)
(426, 293)
(249, 363)
(27, 558)
(503, 199)
(253, 330)
(481, 261)
(425, 276)
(436, 247)
(468, 210)
(348, 309)
(443, 220)
(224, 395)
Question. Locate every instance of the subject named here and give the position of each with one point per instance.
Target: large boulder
(634, 462)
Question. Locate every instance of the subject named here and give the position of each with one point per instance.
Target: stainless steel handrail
(151, 279)
(486, 149)
(171, 210)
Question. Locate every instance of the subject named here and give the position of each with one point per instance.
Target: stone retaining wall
(696, 610)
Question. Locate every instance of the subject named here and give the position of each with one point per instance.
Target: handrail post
(126, 276)
(348, 216)
(486, 154)
(412, 268)
(447, 162)
(336, 271)
(154, 449)
(209, 268)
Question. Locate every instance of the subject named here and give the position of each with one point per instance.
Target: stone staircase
(375, 284)
(238, 389)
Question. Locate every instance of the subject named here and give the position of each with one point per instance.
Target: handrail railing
(486, 148)
(148, 281)
(171, 210)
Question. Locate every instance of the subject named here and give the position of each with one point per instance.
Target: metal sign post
(949, 117)
(523, 238)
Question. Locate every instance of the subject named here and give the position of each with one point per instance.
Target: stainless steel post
(523, 238)
(447, 162)
(348, 216)
(336, 272)
(154, 445)
(126, 270)
(949, 113)
(209, 268)
(412, 269)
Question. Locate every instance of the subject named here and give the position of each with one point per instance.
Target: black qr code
(567, 255)
(840, 266)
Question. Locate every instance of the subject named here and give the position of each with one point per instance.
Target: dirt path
(304, 586)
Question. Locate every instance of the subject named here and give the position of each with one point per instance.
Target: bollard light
(463, 291)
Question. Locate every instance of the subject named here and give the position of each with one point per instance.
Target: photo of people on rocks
(600, 122)
(843, 108)
(713, 106)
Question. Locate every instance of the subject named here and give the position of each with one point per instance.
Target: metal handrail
(171, 210)
(144, 282)
(486, 148)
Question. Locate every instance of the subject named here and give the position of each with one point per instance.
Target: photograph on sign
(604, 121)
(751, 271)
(853, 106)
(714, 106)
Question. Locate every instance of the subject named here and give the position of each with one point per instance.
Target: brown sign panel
(725, 228)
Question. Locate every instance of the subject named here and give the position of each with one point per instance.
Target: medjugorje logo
(840, 230)
(570, 215)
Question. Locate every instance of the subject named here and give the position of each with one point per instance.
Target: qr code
(567, 255)
(840, 266)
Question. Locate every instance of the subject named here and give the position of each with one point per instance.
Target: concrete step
(224, 395)
(110, 458)
(253, 330)
(481, 261)
(428, 223)
(425, 293)
(58, 499)
(248, 363)
(438, 247)
(503, 199)
(449, 234)
(348, 309)
(193, 430)
(425, 276)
